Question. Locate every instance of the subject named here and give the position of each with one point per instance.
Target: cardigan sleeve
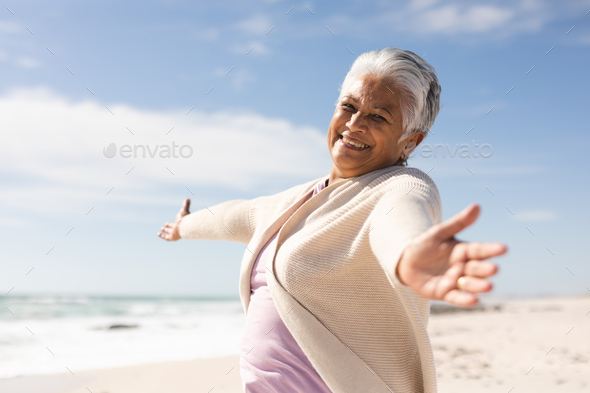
(237, 220)
(396, 220)
(226, 221)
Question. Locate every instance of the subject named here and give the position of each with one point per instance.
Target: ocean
(54, 334)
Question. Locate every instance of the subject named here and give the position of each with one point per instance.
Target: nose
(357, 122)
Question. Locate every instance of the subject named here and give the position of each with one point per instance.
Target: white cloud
(421, 4)
(241, 78)
(536, 216)
(452, 19)
(52, 152)
(10, 28)
(462, 20)
(13, 222)
(27, 62)
(255, 25)
(238, 77)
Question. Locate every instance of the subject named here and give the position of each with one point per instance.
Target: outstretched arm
(419, 252)
(226, 221)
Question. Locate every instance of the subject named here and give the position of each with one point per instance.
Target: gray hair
(412, 74)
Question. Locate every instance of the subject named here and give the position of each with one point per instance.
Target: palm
(434, 261)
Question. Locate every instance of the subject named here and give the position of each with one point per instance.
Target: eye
(348, 106)
(379, 118)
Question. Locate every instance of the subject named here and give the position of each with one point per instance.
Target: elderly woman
(338, 272)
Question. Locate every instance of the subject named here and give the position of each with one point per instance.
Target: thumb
(185, 207)
(458, 222)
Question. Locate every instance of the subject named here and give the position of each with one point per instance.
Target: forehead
(374, 90)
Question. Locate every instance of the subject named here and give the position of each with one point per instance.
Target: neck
(336, 174)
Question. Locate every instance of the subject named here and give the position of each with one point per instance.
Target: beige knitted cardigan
(333, 278)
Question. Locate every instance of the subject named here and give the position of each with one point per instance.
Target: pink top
(271, 360)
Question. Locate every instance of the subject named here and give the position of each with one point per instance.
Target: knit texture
(333, 275)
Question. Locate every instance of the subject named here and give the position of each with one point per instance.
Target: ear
(412, 142)
(417, 138)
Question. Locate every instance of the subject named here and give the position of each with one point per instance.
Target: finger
(467, 251)
(477, 268)
(164, 236)
(166, 227)
(461, 298)
(458, 222)
(474, 284)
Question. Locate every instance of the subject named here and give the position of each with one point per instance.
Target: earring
(403, 153)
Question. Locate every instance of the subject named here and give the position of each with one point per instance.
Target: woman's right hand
(433, 262)
(171, 231)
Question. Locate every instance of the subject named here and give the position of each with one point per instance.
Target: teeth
(355, 144)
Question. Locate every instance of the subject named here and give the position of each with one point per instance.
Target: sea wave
(45, 334)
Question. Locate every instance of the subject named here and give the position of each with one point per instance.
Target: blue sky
(259, 80)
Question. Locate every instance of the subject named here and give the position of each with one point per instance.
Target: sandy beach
(532, 345)
(202, 375)
(537, 345)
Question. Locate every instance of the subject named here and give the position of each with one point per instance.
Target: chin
(345, 165)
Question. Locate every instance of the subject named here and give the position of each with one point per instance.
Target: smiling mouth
(352, 143)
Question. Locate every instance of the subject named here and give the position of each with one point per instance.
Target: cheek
(386, 145)
(339, 119)
(333, 132)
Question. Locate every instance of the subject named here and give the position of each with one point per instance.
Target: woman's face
(366, 128)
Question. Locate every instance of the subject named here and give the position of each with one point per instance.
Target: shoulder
(397, 178)
(286, 197)
(407, 183)
(265, 208)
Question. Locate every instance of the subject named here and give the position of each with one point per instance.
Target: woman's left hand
(171, 231)
(434, 261)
